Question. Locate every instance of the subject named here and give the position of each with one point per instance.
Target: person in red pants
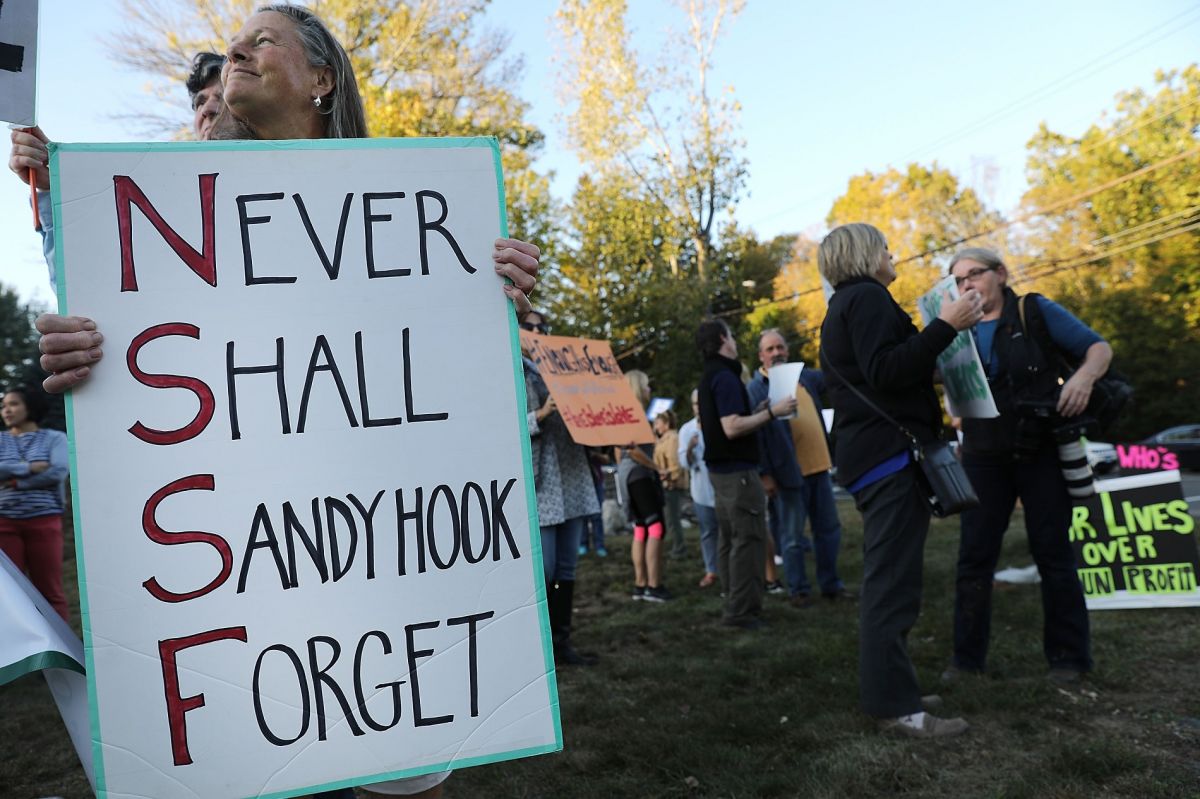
(33, 466)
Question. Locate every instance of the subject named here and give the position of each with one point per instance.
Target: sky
(827, 90)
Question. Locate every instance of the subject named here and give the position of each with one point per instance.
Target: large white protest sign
(303, 493)
(18, 61)
(963, 377)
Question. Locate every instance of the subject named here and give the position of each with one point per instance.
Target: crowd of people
(757, 472)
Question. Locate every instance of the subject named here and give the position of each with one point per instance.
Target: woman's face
(660, 425)
(268, 74)
(887, 269)
(13, 410)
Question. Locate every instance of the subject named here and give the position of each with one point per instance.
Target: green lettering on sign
(1160, 578)
(1097, 582)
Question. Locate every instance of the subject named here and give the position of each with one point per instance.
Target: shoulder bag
(946, 484)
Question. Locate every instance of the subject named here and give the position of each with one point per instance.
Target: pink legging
(36, 546)
(655, 531)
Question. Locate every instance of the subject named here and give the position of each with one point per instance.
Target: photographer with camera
(1032, 451)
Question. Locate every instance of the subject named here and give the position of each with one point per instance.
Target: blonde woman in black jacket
(869, 342)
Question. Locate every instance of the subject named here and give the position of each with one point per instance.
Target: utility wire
(1055, 205)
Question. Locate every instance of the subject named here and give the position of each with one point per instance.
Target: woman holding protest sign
(33, 466)
(286, 77)
(566, 500)
(878, 360)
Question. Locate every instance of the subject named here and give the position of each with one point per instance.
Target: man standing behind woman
(674, 479)
(691, 456)
(874, 356)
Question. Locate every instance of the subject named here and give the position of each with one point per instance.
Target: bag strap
(1036, 329)
(828, 365)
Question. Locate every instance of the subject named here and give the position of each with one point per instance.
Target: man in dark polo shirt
(731, 452)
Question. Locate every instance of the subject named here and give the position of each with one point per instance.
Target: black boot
(560, 599)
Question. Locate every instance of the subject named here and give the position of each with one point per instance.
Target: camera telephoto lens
(1072, 459)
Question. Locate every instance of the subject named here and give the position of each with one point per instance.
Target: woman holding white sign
(286, 77)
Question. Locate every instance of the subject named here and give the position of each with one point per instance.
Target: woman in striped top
(33, 466)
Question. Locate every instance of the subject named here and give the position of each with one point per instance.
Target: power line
(979, 123)
(1069, 79)
(1055, 205)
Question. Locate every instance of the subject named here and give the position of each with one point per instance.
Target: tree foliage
(1126, 259)
(660, 125)
(424, 68)
(19, 352)
(919, 209)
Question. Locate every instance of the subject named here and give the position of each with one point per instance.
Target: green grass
(682, 707)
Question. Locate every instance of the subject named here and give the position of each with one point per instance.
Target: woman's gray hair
(342, 107)
(989, 258)
(852, 250)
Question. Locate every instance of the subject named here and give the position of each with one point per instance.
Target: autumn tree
(1115, 236)
(424, 68)
(922, 211)
(19, 352)
(661, 124)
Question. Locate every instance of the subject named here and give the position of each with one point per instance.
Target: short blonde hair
(852, 250)
(640, 383)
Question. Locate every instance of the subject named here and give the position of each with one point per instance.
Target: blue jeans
(813, 501)
(594, 528)
(560, 549)
(706, 516)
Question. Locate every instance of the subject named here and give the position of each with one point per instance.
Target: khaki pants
(741, 543)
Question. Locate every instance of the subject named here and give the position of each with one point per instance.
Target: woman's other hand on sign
(518, 261)
(963, 312)
(69, 346)
(29, 152)
(548, 408)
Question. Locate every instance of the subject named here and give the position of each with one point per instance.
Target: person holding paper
(33, 466)
(286, 77)
(795, 473)
(871, 349)
(729, 421)
(691, 456)
(1015, 455)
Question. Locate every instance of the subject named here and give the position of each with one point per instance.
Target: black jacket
(719, 448)
(868, 340)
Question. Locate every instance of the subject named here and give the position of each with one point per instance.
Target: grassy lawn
(682, 707)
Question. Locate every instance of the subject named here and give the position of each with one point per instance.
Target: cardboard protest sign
(1135, 544)
(589, 389)
(18, 62)
(304, 504)
(963, 377)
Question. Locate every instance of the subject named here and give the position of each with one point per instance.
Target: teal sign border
(535, 542)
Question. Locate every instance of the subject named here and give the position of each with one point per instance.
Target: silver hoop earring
(316, 102)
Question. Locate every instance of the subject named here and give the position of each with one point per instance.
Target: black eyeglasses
(974, 273)
(540, 327)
